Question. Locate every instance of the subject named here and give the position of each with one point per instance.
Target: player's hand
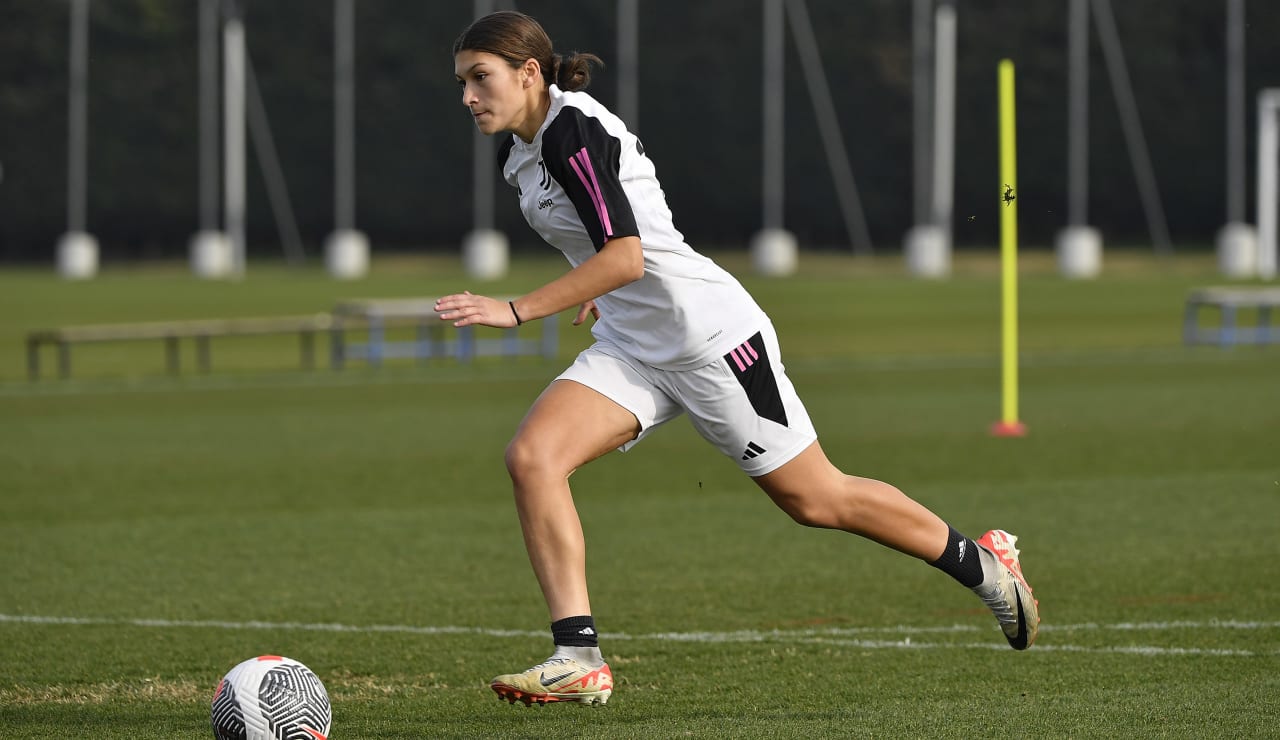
(468, 309)
(587, 308)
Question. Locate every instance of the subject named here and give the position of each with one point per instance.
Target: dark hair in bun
(518, 38)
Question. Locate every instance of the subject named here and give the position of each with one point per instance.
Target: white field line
(845, 637)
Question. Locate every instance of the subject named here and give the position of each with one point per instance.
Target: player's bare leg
(568, 426)
(816, 493)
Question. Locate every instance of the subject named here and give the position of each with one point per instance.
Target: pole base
(774, 253)
(1008, 429)
(485, 254)
(928, 252)
(77, 255)
(1079, 251)
(1238, 251)
(211, 256)
(346, 254)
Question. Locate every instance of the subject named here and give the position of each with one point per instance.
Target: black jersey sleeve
(585, 160)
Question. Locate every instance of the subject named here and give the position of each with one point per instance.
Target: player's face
(492, 90)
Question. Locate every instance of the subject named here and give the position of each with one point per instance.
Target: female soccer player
(674, 333)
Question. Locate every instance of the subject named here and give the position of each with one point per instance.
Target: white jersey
(583, 180)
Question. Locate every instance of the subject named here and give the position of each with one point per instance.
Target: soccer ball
(271, 698)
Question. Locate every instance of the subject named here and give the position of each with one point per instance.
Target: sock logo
(586, 631)
(962, 548)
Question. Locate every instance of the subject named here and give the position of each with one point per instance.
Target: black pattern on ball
(292, 697)
(228, 722)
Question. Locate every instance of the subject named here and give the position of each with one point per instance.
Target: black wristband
(513, 312)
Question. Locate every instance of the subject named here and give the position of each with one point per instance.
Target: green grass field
(155, 530)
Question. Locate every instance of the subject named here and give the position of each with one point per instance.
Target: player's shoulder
(580, 102)
(580, 120)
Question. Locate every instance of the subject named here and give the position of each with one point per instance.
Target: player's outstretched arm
(619, 262)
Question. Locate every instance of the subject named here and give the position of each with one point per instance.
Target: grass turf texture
(344, 518)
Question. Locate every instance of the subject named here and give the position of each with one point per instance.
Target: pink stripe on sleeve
(588, 178)
(595, 200)
(738, 360)
(747, 346)
(604, 213)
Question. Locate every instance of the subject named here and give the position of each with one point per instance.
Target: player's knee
(518, 458)
(526, 460)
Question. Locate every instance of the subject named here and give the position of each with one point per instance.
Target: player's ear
(530, 72)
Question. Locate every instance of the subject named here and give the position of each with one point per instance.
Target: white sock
(588, 656)
(990, 569)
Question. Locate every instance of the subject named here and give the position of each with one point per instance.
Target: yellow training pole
(1008, 426)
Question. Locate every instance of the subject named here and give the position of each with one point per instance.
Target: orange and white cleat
(1005, 590)
(558, 679)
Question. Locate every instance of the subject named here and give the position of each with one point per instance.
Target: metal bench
(1230, 302)
(170, 332)
(377, 315)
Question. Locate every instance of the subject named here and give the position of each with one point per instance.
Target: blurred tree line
(700, 118)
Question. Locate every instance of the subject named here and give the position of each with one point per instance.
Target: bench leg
(64, 360)
(422, 343)
(307, 346)
(172, 361)
(33, 360)
(466, 344)
(376, 340)
(511, 343)
(550, 338)
(1191, 323)
(337, 347)
(202, 353)
(438, 347)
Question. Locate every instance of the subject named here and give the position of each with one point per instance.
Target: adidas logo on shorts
(753, 450)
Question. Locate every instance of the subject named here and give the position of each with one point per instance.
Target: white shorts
(742, 403)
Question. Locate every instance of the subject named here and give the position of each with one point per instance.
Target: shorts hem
(646, 423)
(781, 458)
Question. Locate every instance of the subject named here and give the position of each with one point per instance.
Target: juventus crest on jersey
(585, 179)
